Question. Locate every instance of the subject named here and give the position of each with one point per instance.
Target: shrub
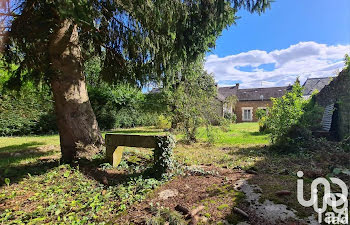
(192, 101)
(28, 111)
(104, 106)
(230, 117)
(163, 122)
(164, 216)
(120, 106)
(262, 116)
(130, 117)
(291, 119)
(285, 112)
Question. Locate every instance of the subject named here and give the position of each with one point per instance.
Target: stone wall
(338, 92)
(254, 104)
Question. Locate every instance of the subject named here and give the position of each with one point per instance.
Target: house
(249, 100)
(252, 99)
(312, 84)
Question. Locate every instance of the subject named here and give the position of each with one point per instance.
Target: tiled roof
(259, 94)
(227, 91)
(311, 84)
(220, 97)
(253, 94)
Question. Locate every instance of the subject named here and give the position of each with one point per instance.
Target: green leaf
(66, 174)
(336, 171)
(7, 181)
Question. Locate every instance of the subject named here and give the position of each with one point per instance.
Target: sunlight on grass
(237, 134)
(18, 143)
(28, 149)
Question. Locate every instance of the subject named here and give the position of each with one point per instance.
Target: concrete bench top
(115, 144)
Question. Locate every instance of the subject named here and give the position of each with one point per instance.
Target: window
(247, 113)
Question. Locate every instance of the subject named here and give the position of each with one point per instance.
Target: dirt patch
(215, 192)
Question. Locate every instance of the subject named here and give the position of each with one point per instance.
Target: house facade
(250, 100)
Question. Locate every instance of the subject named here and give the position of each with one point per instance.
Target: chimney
(237, 85)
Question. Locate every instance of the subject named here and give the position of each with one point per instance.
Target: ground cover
(36, 189)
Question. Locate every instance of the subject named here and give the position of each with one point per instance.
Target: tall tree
(137, 40)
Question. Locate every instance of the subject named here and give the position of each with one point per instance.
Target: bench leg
(114, 155)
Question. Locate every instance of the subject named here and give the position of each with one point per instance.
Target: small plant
(7, 181)
(163, 122)
(223, 206)
(346, 144)
(230, 117)
(164, 216)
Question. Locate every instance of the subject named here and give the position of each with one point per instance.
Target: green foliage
(135, 42)
(285, 112)
(104, 106)
(7, 181)
(163, 216)
(163, 122)
(120, 106)
(163, 155)
(130, 117)
(28, 111)
(64, 195)
(291, 119)
(232, 117)
(261, 114)
(347, 61)
(192, 102)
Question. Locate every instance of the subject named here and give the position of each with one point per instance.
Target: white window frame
(251, 110)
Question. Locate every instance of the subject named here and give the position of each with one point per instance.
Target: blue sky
(305, 38)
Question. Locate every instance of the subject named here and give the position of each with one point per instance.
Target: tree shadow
(17, 173)
(119, 175)
(20, 147)
(11, 157)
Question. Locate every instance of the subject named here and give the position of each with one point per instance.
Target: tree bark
(76, 120)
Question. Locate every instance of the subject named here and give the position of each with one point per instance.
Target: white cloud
(305, 59)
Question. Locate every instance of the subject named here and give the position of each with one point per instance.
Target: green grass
(62, 194)
(236, 135)
(18, 152)
(28, 149)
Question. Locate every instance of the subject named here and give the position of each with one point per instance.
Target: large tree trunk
(76, 120)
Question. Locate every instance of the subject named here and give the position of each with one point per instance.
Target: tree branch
(8, 14)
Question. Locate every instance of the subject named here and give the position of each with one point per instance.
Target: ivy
(163, 154)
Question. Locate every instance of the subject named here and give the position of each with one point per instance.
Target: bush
(120, 106)
(230, 117)
(28, 111)
(104, 106)
(163, 122)
(292, 119)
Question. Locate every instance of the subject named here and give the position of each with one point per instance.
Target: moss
(238, 197)
(208, 215)
(223, 206)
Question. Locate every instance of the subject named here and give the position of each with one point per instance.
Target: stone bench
(115, 144)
